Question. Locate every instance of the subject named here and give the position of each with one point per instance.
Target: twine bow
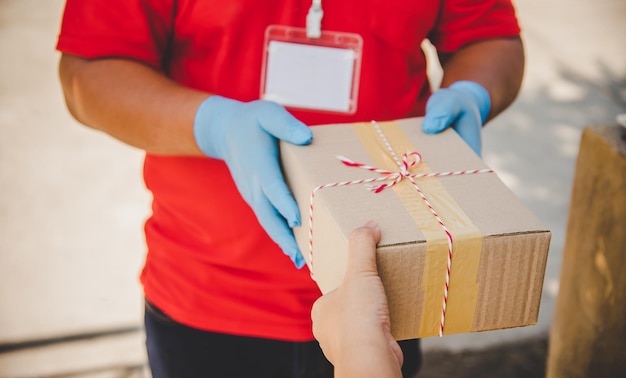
(391, 178)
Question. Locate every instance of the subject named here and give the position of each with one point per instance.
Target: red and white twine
(391, 178)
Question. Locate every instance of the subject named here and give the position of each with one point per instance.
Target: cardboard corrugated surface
(495, 284)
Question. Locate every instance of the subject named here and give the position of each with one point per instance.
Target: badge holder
(316, 74)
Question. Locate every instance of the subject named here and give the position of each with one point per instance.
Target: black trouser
(178, 351)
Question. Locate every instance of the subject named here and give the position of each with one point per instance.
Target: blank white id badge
(311, 73)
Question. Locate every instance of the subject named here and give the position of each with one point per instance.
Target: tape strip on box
(467, 239)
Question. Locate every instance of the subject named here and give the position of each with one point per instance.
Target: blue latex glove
(465, 106)
(245, 136)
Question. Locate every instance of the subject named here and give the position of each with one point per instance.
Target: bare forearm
(496, 64)
(373, 360)
(131, 102)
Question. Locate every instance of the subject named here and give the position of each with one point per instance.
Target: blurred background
(72, 203)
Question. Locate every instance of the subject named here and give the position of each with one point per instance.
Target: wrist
(207, 136)
(368, 361)
(478, 93)
(368, 354)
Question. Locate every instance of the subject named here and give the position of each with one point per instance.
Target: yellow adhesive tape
(467, 240)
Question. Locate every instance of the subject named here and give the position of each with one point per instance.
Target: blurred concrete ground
(72, 202)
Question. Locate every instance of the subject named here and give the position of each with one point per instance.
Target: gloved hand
(245, 136)
(465, 106)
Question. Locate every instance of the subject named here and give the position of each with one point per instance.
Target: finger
(280, 197)
(317, 314)
(441, 111)
(277, 121)
(468, 127)
(277, 229)
(362, 249)
(322, 325)
(276, 191)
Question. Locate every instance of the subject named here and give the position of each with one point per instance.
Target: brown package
(499, 247)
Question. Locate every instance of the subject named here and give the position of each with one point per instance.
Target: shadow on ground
(524, 359)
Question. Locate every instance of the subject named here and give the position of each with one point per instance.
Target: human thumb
(362, 249)
(277, 121)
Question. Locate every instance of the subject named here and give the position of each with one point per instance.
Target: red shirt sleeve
(135, 29)
(463, 21)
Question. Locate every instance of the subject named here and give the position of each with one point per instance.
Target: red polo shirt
(209, 263)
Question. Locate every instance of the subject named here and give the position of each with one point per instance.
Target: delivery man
(226, 292)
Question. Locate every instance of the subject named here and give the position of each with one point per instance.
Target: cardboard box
(499, 247)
